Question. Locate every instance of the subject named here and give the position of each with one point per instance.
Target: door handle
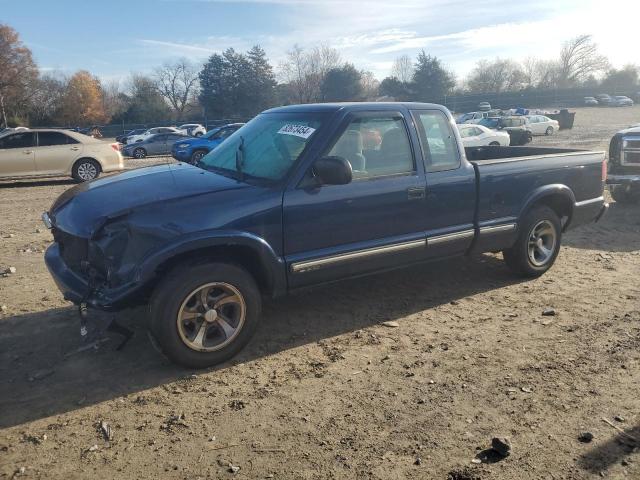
(75, 148)
(416, 193)
(27, 152)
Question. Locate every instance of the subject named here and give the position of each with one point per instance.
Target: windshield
(267, 146)
(211, 133)
(489, 122)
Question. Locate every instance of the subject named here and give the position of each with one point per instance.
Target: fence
(115, 129)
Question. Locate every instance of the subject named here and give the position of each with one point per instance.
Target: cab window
(376, 145)
(439, 146)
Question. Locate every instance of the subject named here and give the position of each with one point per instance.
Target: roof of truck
(333, 107)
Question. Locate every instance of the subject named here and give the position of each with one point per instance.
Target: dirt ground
(325, 389)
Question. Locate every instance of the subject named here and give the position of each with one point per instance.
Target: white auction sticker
(301, 131)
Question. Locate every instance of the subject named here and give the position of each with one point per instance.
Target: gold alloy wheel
(542, 243)
(211, 317)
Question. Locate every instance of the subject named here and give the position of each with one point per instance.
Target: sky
(112, 39)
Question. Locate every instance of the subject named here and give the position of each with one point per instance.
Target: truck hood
(83, 209)
(631, 129)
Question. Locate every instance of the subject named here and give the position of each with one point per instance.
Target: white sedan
(479, 136)
(541, 125)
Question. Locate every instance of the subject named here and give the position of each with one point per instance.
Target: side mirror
(333, 171)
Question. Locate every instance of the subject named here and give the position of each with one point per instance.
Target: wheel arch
(558, 197)
(250, 252)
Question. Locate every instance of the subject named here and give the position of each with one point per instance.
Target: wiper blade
(240, 158)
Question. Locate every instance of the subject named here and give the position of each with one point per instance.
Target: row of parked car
(604, 100)
(173, 141)
(490, 128)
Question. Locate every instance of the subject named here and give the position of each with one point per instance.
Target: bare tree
(495, 76)
(370, 85)
(305, 72)
(403, 69)
(579, 58)
(46, 100)
(177, 82)
(114, 99)
(540, 73)
(294, 71)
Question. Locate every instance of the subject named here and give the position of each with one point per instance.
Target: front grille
(631, 150)
(631, 158)
(74, 250)
(633, 143)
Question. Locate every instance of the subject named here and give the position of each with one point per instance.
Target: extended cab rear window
(438, 143)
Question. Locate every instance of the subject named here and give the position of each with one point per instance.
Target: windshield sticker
(301, 131)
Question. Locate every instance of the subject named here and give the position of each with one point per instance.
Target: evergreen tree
(235, 85)
(431, 81)
(342, 84)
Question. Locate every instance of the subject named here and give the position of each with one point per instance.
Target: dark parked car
(294, 199)
(191, 150)
(516, 126)
(604, 100)
(158, 144)
(624, 165)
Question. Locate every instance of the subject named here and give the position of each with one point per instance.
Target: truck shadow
(618, 231)
(39, 378)
(615, 450)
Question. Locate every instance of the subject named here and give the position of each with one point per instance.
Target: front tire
(202, 315)
(549, 131)
(85, 169)
(494, 144)
(197, 156)
(537, 245)
(139, 153)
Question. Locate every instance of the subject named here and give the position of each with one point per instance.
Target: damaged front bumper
(76, 288)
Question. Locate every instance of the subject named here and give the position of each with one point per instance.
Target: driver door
(374, 222)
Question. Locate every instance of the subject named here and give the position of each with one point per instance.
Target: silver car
(159, 144)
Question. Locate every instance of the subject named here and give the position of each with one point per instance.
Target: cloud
(371, 34)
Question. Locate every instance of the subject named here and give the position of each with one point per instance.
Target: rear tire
(494, 144)
(85, 169)
(202, 315)
(537, 245)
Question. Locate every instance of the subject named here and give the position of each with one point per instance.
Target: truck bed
(504, 173)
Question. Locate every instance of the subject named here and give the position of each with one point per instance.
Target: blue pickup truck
(303, 195)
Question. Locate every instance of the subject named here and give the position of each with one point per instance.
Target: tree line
(237, 85)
